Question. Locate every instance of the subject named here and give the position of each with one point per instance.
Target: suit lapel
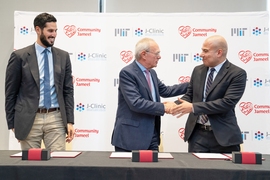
(33, 64)
(202, 77)
(56, 65)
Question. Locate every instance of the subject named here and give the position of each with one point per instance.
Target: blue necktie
(47, 89)
(204, 117)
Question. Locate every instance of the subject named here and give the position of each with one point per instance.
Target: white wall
(7, 9)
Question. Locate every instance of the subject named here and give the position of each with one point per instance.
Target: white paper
(65, 154)
(210, 156)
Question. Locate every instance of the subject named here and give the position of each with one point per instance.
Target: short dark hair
(42, 19)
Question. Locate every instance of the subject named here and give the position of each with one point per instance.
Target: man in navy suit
(212, 124)
(26, 113)
(137, 124)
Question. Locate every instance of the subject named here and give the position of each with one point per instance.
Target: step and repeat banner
(101, 44)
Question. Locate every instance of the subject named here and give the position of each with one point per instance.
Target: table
(98, 166)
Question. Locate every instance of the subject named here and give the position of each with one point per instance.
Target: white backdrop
(101, 44)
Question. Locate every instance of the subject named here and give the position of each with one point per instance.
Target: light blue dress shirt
(40, 59)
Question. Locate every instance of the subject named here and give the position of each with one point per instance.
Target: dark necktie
(47, 89)
(148, 78)
(204, 117)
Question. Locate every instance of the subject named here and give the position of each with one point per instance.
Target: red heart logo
(245, 56)
(246, 107)
(184, 31)
(70, 30)
(181, 133)
(126, 56)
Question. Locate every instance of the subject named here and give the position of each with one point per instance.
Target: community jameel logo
(71, 30)
(183, 79)
(245, 56)
(84, 82)
(85, 133)
(181, 133)
(185, 31)
(246, 107)
(126, 56)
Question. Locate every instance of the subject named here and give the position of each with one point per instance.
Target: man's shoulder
(58, 50)
(25, 49)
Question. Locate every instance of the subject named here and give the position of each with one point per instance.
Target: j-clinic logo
(126, 56)
(257, 82)
(258, 135)
(70, 30)
(197, 58)
(138, 32)
(245, 56)
(80, 107)
(181, 133)
(184, 31)
(183, 79)
(246, 107)
(81, 56)
(256, 31)
(24, 30)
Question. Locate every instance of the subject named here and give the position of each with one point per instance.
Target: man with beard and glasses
(39, 99)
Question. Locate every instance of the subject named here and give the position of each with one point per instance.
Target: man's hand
(183, 108)
(168, 106)
(71, 133)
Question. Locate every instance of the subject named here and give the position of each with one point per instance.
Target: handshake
(178, 108)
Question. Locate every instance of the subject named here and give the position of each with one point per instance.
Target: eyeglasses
(156, 54)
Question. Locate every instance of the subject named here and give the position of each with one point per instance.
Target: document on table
(56, 154)
(212, 156)
(129, 155)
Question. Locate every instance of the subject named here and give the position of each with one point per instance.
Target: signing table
(98, 166)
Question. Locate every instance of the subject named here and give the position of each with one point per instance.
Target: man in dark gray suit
(137, 124)
(210, 101)
(26, 112)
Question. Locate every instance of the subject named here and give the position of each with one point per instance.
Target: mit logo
(238, 31)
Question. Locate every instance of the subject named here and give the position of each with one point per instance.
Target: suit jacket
(22, 89)
(137, 113)
(225, 92)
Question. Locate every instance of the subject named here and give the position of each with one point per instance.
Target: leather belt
(204, 127)
(44, 110)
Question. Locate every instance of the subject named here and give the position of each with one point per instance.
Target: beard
(44, 41)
